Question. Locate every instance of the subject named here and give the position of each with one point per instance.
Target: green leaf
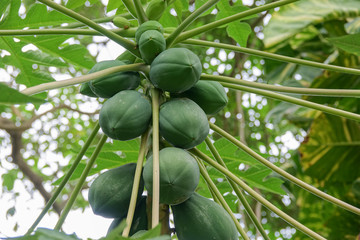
(75, 54)
(37, 16)
(24, 62)
(292, 18)
(9, 177)
(75, 3)
(239, 31)
(348, 43)
(12, 96)
(48, 234)
(332, 150)
(353, 26)
(257, 175)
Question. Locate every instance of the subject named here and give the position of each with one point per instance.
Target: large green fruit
(179, 175)
(126, 115)
(146, 26)
(199, 218)
(109, 194)
(86, 90)
(109, 85)
(151, 44)
(139, 222)
(209, 95)
(175, 70)
(183, 123)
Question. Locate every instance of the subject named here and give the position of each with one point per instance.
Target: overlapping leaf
(331, 151)
(293, 18)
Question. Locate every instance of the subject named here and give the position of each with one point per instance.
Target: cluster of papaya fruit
(183, 123)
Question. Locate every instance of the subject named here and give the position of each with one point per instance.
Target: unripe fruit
(151, 44)
(110, 193)
(179, 175)
(86, 90)
(149, 25)
(126, 115)
(110, 85)
(183, 123)
(121, 22)
(175, 70)
(209, 95)
(155, 9)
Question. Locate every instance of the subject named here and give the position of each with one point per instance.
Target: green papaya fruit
(209, 95)
(126, 57)
(121, 22)
(155, 9)
(175, 70)
(200, 218)
(86, 90)
(149, 25)
(151, 44)
(179, 175)
(139, 222)
(109, 194)
(126, 115)
(108, 86)
(183, 123)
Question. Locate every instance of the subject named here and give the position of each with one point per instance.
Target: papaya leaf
(48, 234)
(331, 150)
(24, 62)
(37, 16)
(12, 96)
(348, 43)
(75, 54)
(235, 159)
(75, 3)
(301, 14)
(112, 155)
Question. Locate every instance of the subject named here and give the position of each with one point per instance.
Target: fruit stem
(137, 178)
(130, 7)
(140, 12)
(295, 90)
(65, 180)
(283, 173)
(256, 196)
(235, 17)
(237, 190)
(85, 78)
(56, 31)
(220, 197)
(273, 56)
(172, 37)
(156, 164)
(80, 183)
(129, 45)
(297, 101)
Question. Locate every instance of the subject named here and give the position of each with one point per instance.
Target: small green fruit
(183, 123)
(121, 22)
(149, 25)
(151, 44)
(175, 70)
(179, 175)
(155, 9)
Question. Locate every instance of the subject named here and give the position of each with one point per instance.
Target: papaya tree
(187, 137)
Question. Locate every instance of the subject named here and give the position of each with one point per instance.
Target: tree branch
(16, 142)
